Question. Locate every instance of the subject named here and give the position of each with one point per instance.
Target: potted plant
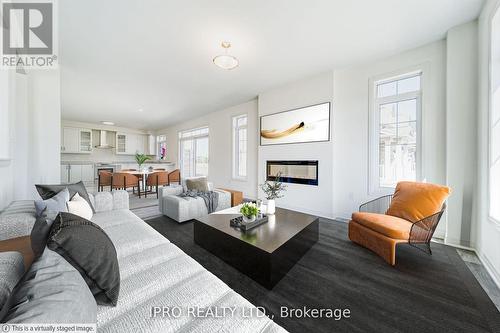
(273, 191)
(249, 211)
(140, 159)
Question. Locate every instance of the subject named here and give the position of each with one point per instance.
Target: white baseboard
(494, 274)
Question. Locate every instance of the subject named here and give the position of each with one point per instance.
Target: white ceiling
(119, 56)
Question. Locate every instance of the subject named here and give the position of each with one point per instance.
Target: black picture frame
(291, 110)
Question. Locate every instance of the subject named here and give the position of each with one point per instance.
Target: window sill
(494, 221)
(239, 179)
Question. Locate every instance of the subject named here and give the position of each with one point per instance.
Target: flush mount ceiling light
(110, 123)
(226, 61)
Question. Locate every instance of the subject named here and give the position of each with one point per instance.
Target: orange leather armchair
(409, 216)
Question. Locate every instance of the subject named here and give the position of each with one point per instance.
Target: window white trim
(235, 147)
(160, 139)
(374, 187)
(192, 138)
(491, 125)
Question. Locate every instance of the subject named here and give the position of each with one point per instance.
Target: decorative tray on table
(237, 222)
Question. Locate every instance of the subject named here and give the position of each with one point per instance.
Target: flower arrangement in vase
(273, 191)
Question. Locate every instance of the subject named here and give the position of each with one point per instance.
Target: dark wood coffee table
(265, 253)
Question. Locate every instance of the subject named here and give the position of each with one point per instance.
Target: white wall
(461, 107)
(45, 115)
(8, 113)
(33, 102)
(311, 199)
(220, 146)
(350, 123)
(488, 232)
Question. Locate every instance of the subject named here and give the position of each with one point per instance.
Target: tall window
(494, 120)
(240, 146)
(193, 152)
(161, 144)
(395, 130)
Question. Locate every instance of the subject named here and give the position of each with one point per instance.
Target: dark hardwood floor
(421, 294)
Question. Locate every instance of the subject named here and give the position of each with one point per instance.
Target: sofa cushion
(17, 219)
(48, 191)
(52, 291)
(414, 201)
(390, 226)
(88, 249)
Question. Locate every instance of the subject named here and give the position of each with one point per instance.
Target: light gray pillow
(11, 271)
(199, 184)
(56, 204)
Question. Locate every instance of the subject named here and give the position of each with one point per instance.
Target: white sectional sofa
(154, 273)
(183, 209)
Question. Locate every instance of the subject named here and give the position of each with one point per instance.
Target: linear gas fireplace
(298, 172)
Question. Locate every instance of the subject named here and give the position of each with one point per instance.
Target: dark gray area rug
(421, 294)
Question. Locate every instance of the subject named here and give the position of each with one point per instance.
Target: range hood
(103, 141)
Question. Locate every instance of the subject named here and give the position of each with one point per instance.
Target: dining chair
(123, 180)
(104, 178)
(174, 177)
(157, 179)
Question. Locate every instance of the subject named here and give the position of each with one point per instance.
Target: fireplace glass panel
(298, 172)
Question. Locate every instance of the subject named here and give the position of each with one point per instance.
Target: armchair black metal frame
(421, 231)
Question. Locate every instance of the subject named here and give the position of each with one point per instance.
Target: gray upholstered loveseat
(153, 271)
(183, 209)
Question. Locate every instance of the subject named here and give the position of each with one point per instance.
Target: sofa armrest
(17, 219)
(106, 201)
(170, 190)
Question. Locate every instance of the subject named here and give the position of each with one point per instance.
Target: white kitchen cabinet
(87, 173)
(64, 174)
(121, 143)
(76, 140)
(70, 142)
(85, 141)
(75, 173)
(130, 143)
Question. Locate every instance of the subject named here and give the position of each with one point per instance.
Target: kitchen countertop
(113, 163)
(147, 162)
(77, 163)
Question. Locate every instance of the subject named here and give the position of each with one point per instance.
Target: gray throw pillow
(48, 191)
(90, 251)
(57, 203)
(199, 184)
(40, 231)
(11, 271)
